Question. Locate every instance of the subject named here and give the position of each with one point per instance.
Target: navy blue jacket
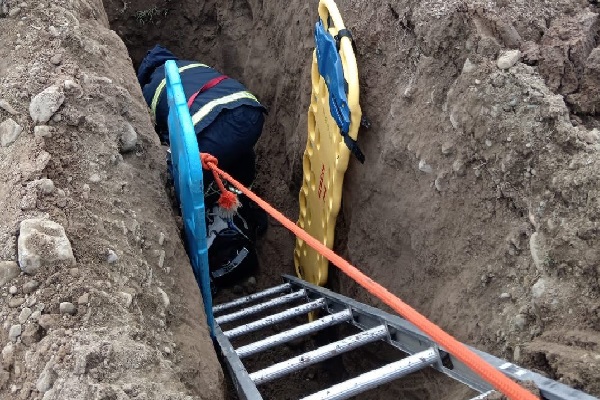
(211, 102)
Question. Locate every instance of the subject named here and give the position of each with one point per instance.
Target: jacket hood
(154, 59)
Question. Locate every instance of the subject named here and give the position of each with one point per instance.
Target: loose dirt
(477, 203)
(126, 320)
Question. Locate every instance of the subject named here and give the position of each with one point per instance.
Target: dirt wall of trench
(125, 319)
(478, 202)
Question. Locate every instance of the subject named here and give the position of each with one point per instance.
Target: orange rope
(497, 379)
(227, 200)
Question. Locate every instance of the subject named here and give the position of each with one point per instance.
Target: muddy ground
(477, 203)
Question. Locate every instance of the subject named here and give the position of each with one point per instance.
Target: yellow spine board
(325, 158)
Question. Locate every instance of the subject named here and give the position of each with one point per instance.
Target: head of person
(155, 58)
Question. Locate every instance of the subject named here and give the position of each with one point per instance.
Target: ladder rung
(377, 377)
(318, 355)
(275, 318)
(483, 395)
(298, 331)
(260, 307)
(252, 297)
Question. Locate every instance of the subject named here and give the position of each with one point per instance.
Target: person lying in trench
(228, 121)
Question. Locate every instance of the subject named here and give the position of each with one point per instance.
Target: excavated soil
(477, 203)
(137, 330)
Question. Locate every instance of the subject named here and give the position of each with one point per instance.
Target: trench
(440, 214)
(214, 33)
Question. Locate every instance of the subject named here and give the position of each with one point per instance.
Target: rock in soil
(8, 271)
(45, 104)
(43, 243)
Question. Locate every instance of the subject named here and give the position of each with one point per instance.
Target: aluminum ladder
(374, 325)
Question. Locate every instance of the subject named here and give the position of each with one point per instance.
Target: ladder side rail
(410, 339)
(550, 389)
(244, 386)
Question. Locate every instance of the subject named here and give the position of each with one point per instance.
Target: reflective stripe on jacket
(228, 94)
